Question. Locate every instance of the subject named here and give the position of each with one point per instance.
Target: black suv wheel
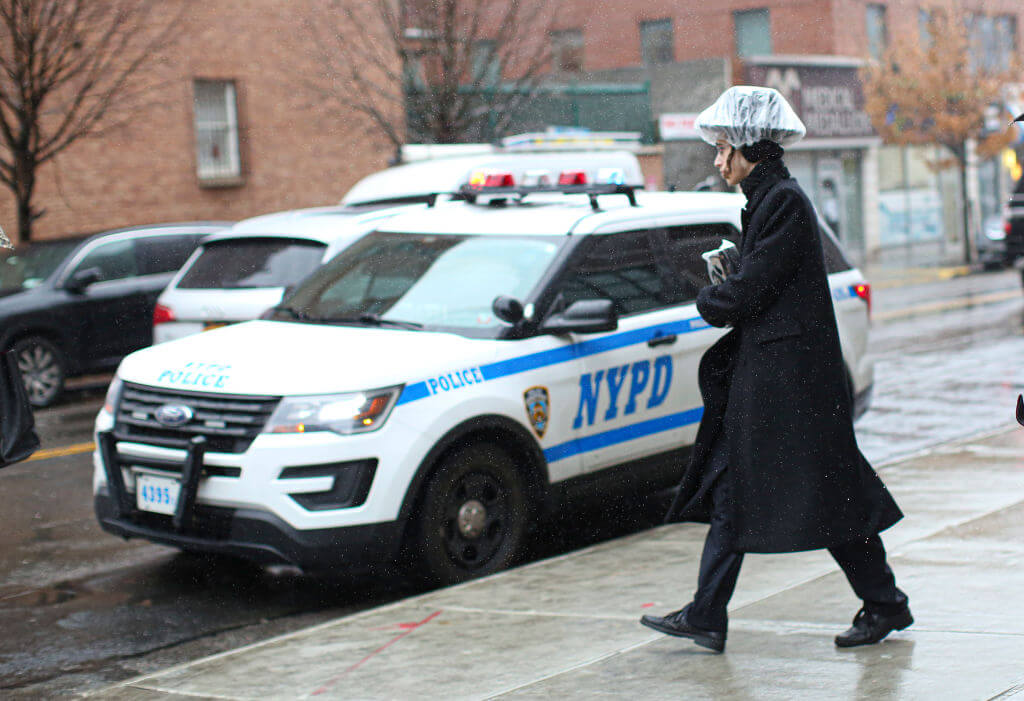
(42, 369)
(472, 518)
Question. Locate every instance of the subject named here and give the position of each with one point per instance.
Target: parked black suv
(1015, 229)
(75, 306)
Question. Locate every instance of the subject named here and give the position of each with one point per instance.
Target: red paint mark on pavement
(408, 628)
(646, 606)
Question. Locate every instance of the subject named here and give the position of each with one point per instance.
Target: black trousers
(863, 562)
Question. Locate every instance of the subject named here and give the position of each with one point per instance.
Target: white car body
(328, 228)
(610, 399)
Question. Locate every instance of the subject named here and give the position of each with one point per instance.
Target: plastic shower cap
(746, 114)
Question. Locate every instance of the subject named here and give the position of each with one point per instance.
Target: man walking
(775, 466)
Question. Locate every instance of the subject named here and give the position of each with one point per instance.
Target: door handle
(660, 340)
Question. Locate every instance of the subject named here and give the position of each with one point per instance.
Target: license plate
(211, 325)
(156, 494)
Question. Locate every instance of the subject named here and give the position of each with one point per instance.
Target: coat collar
(763, 178)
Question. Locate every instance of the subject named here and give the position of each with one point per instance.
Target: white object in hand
(4, 241)
(722, 261)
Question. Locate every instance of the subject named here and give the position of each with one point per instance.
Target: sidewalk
(567, 627)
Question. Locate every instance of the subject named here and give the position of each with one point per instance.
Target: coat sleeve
(766, 268)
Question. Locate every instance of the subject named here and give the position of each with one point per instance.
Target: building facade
(887, 203)
(232, 129)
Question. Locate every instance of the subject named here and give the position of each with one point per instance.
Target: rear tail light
(573, 177)
(863, 290)
(1006, 226)
(162, 314)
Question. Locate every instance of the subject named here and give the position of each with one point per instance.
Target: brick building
(231, 134)
(882, 199)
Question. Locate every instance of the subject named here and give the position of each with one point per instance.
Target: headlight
(354, 412)
(113, 392)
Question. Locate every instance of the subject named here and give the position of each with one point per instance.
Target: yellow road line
(75, 449)
(947, 305)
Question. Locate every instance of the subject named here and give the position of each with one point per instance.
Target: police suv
(428, 393)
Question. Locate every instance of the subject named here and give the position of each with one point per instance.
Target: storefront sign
(677, 126)
(828, 98)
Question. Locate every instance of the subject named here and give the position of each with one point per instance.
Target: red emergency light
(572, 177)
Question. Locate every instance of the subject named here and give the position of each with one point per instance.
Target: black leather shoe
(675, 624)
(869, 628)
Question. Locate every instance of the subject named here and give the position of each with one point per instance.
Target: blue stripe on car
(586, 444)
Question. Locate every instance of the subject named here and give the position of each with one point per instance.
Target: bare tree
(68, 70)
(438, 71)
(937, 90)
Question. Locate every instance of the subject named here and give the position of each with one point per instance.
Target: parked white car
(240, 273)
(438, 386)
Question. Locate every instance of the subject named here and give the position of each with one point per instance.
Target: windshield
(442, 281)
(233, 264)
(28, 266)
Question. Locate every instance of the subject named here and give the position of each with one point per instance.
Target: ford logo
(173, 415)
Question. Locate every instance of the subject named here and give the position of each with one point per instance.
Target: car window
(252, 263)
(620, 267)
(685, 244)
(835, 259)
(115, 260)
(1019, 190)
(448, 281)
(28, 266)
(164, 254)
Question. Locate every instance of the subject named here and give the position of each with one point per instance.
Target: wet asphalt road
(80, 609)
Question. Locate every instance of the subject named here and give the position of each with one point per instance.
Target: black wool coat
(776, 394)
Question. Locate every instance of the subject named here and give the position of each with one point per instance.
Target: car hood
(270, 358)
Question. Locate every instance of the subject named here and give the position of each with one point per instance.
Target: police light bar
(470, 192)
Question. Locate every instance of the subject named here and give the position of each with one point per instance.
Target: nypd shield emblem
(537, 409)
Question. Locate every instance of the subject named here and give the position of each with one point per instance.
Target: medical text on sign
(612, 380)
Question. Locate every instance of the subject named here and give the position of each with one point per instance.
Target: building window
(657, 42)
(753, 33)
(878, 33)
(567, 50)
(993, 41)
(486, 66)
(216, 115)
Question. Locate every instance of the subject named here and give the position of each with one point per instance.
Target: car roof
(559, 215)
(167, 228)
(318, 224)
(443, 175)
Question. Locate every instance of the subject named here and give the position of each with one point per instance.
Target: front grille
(229, 423)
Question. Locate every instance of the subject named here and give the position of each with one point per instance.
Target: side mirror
(584, 316)
(81, 279)
(508, 309)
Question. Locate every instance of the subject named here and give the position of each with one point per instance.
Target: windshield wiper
(293, 313)
(371, 319)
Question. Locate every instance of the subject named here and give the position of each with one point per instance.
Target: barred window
(216, 132)
(657, 42)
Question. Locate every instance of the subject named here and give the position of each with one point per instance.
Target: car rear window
(252, 263)
(835, 260)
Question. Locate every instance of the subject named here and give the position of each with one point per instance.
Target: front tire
(472, 518)
(42, 370)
